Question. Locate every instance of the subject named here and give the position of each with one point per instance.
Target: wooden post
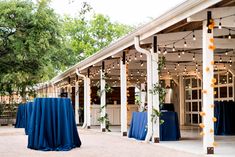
(102, 97)
(208, 90)
(123, 91)
(155, 79)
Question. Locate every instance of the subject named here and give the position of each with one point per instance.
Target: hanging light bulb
(185, 69)
(135, 57)
(165, 67)
(194, 56)
(183, 52)
(230, 64)
(194, 37)
(173, 49)
(130, 59)
(220, 25)
(179, 55)
(159, 51)
(175, 68)
(220, 59)
(196, 69)
(224, 66)
(141, 55)
(168, 72)
(229, 35)
(113, 66)
(178, 64)
(141, 64)
(185, 43)
(196, 64)
(131, 74)
(230, 59)
(138, 71)
(226, 52)
(118, 63)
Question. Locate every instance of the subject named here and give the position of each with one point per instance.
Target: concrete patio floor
(13, 143)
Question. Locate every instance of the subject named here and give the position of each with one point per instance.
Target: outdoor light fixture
(185, 44)
(141, 55)
(220, 25)
(226, 53)
(220, 59)
(135, 57)
(194, 56)
(179, 55)
(229, 35)
(175, 68)
(230, 60)
(141, 64)
(113, 66)
(196, 64)
(173, 49)
(194, 37)
(178, 64)
(183, 52)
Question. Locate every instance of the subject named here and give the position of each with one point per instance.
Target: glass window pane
(230, 78)
(230, 92)
(223, 92)
(194, 94)
(200, 106)
(188, 106)
(200, 119)
(187, 83)
(200, 93)
(194, 106)
(195, 118)
(199, 82)
(188, 118)
(222, 79)
(216, 77)
(216, 92)
(194, 83)
(188, 94)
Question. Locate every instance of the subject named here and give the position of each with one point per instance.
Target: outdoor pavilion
(184, 35)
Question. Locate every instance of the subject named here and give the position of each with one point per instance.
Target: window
(224, 90)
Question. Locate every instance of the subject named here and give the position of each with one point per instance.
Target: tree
(30, 42)
(89, 35)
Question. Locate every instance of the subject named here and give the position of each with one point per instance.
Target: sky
(131, 12)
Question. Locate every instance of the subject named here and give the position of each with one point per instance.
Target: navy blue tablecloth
(20, 117)
(169, 130)
(52, 125)
(28, 113)
(224, 112)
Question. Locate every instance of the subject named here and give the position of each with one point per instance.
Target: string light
(113, 66)
(226, 52)
(230, 60)
(141, 55)
(196, 64)
(135, 57)
(220, 25)
(175, 68)
(229, 35)
(173, 49)
(194, 37)
(165, 67)
(183, 52)
(178, 64)
(141, 64)
(185, 44)
(179, 55)
(220, 59)
(138, 71)
(194, 56)
(159, 51)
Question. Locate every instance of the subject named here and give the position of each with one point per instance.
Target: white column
(155, 79)
(181, 100)
(208, 91)
(85, 101)
(102, 98)
(149, 97)
(142, 96)
(77, 102)
(123, 91)
(88, 102)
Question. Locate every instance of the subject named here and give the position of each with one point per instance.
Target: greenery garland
(107, 89)
(158, 89)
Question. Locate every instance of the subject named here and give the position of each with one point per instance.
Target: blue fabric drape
(52, 125)
(20, 117)
(28, 113)
(169, 130)
(138, 126)
(224, 112)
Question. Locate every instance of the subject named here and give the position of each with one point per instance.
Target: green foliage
(105, 120)
(155, 115)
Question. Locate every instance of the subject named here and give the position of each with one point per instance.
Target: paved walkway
(13, 143)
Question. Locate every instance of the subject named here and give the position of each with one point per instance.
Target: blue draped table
(224, 112)
(20, 117)
(52, 125)
(169, 130)
(28, 113)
